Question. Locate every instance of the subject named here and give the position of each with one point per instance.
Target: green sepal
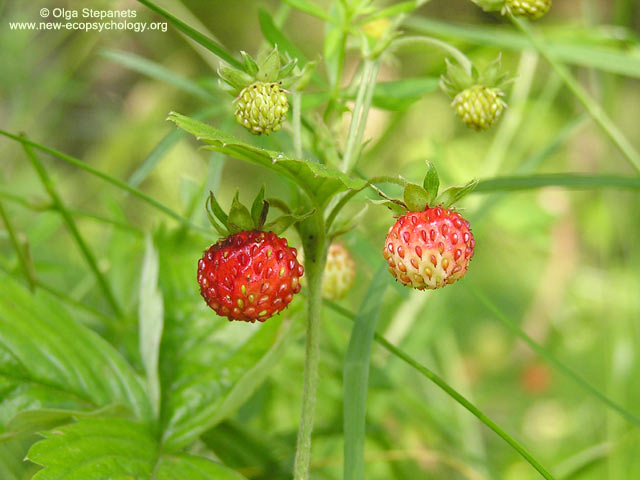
(286, 70)
(456, 79)
(396, 206)
(270, 67)
(452, 194)
(305, 75)
(250, 64)
(258, 206)
(280, 224)
(431, 182)
(235, 78)
(239, 219)
(216, 215)
(415, 197)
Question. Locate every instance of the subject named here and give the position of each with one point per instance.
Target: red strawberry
(429, 249)
(249, 276)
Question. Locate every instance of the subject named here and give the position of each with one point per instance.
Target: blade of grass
(356, 376)
(593, 107)
(567, 180)
(114, 181)
(452, 393)
(47, 182)
(192, 33)
(597, 56)
(157, 72)
(22, 258)
(540, 350)
(74, 212)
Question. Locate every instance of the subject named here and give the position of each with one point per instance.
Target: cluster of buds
(261, 103)
(477, 96)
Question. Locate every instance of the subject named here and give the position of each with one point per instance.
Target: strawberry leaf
(48, 360)
(318, 181)
(116, 448)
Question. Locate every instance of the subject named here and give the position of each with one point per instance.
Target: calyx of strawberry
(271, 67)
(457, 79)
(416, 198)
(242, 219)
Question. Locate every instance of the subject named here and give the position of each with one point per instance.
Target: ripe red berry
(249, 276)
(429, 249)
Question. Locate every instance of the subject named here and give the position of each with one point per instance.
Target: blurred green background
(562, 264)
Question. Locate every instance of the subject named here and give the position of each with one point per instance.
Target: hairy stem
(20, 252)
(315, 250)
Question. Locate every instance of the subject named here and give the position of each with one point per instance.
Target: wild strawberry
(532, 9)
(339, 273)
(429, 249)
(249, 276)
(477, 96)
(261, 104)
(262, 108)
(479, 107)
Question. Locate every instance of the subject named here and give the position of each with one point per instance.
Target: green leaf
(239, 219)
(209, 366)
(12, 464)
(48, 360)
(415, 197)
(158, 72)
(452, 194)
(431, 182)
(566, 180)
(151, 321)
(600, 53)
(110, 448)
(356, 375)
(311, 8)
(318, 181)
(192, 33)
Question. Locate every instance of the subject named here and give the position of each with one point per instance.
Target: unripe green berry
(262, 108)
(479, 107)
(532, 9)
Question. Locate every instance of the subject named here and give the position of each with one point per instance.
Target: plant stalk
(315, 250)
(297, 124)
(360, 113)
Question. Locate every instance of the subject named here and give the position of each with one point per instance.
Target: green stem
(594, 109)
(297, 124)
(360, 113)
(315, 250)
(452, 393)
(424, 40)
(22, 258)
(71, 224)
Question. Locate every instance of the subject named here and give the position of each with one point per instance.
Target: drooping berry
(262, 108)
(249, 276)
(339, 273)
(479, 107)
(532, 9)
(429, 249)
